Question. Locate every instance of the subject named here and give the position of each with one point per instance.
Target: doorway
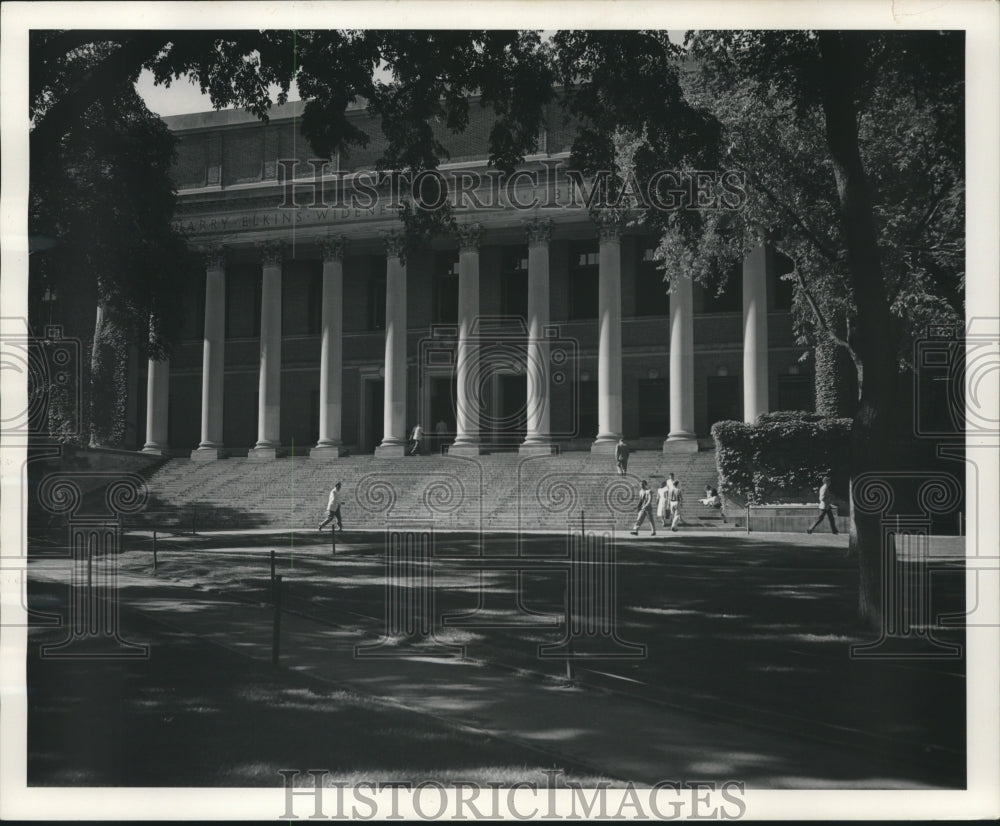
(511, 420)
(373, 421)
(725, 399)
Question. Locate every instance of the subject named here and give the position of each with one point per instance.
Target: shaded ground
(750, 635)
(196, 714)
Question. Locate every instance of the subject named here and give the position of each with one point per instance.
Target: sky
(183, 97)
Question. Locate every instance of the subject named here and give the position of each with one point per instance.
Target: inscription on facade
(276, 218)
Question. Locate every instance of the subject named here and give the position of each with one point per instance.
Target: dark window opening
(445, 288)
(514, 282)
(376, 295)
(583, 281)
(315, 320)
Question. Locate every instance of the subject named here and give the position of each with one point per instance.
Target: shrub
(781, 455)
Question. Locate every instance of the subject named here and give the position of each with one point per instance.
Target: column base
(537, 449)
(467, 449)
(156, 450)
(605, 445)
(392, 450)
(266, 454)
(681, 443)
(328, 452)
(209, 454)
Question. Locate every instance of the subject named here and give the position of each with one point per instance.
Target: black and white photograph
(500, 411)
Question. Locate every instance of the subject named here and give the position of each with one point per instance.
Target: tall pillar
(538, 438)
(331, 356)
(394, 422)
(157, 405)
(213, 358)
(269, 393)
(469, 385)
(609, 343)
(682, 438)
(755, 346)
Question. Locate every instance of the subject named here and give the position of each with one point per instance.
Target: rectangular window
(514, 282)
(583, 275)
(650, 289)
(445, 288)
(376, 295)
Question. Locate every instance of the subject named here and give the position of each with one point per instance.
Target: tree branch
(120, 65)
(828, 253)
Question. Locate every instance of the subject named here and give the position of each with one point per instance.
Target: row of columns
(681, 436)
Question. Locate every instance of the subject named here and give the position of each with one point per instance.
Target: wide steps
(502, 491)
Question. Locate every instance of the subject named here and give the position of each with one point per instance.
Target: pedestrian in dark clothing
(621, 457)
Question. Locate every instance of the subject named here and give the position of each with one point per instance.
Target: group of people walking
(669, 501)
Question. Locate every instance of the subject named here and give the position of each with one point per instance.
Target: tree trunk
(876, 346)
(107, 383)
(836, 381)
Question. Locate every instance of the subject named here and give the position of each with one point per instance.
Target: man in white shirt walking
(333, 509)
(826, 507)
(415, 438)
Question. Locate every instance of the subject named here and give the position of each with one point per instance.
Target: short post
(333, 539)
(272, 566)
(154, 551)
(960, 526)
(276, 631)
(748, 517)
(194, 521)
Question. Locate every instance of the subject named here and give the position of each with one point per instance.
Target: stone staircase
(495, 492)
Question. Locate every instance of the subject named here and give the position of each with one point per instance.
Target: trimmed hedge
(781, 456)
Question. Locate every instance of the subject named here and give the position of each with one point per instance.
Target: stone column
(331, 357)
(269, 394)
(469, 385)
(755, 346)
(157, 405)
(394, 422)
(538, 438)
(609, 344)
(682, 438)
(213, 358)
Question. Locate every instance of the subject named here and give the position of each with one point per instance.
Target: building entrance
(374, 421)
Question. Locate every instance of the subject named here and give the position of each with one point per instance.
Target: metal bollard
(154, 552)
(960, 526)
(194, 521)
(276, 630)
(272, 565)
(748, 519)
(333, 539)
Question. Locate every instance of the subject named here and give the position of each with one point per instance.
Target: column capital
(213, 256)
(470, 236)
(334, 247)
(539, 231)
(610, 224)
(395, 245)
(271, 253)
